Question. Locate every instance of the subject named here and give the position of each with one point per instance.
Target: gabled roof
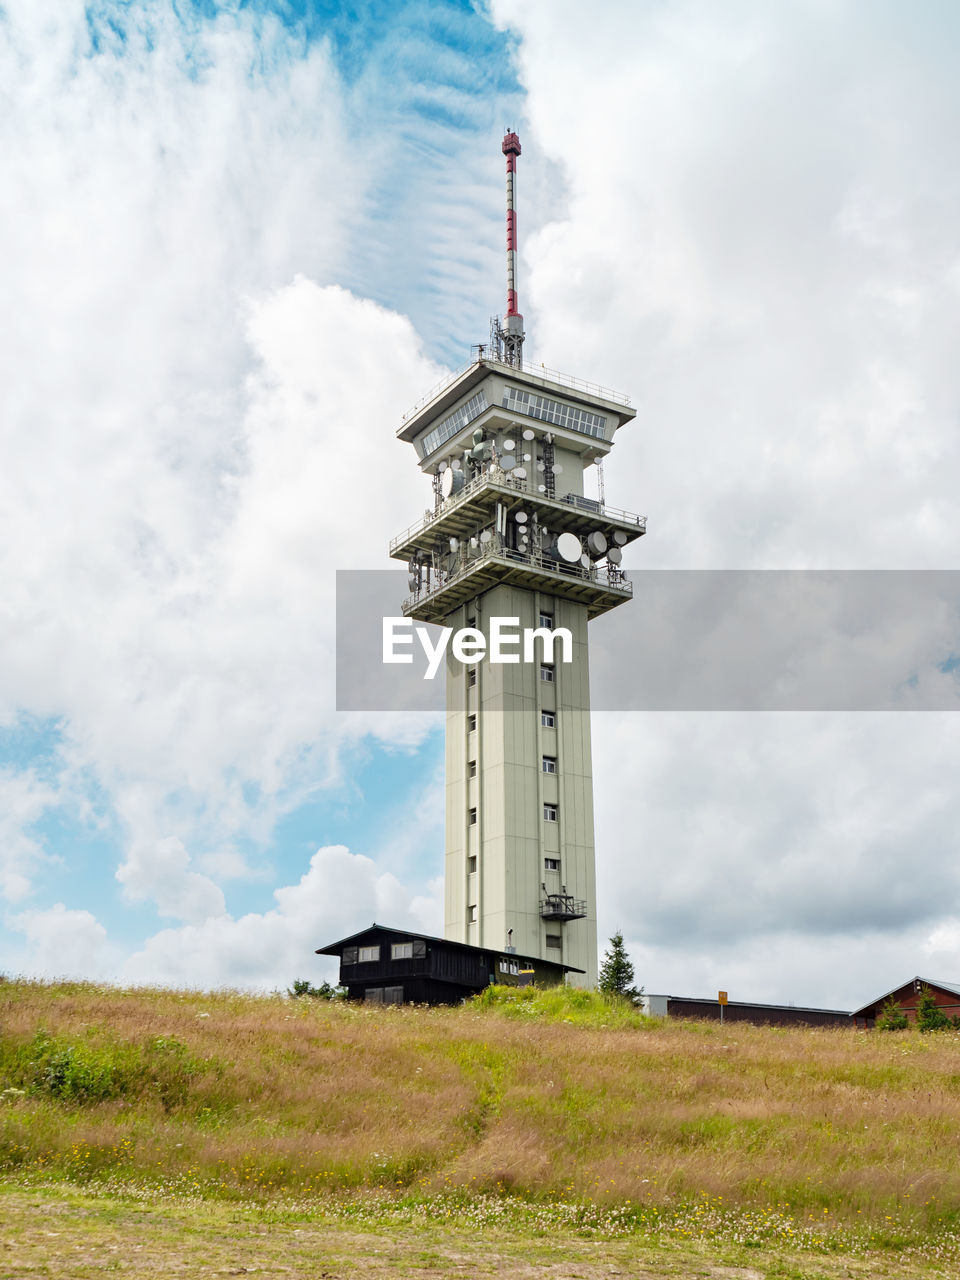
(334, 948)
(952, 987)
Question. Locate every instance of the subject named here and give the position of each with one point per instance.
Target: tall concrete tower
(511, 534)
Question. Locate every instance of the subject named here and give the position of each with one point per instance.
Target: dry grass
(235, 1095)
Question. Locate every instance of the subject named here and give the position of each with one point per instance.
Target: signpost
(721, 1001)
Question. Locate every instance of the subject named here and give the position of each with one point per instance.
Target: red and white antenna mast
(510, 334)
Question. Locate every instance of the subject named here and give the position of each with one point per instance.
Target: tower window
(471, 768)
(548, 719)
(549, 813)
(401, 951)
(547, 673)
(546, 620)
(368, 954)
(472, 864)
(471, 915)
(471, 677)
(471, 723)
(549, 764)
(472, 817)
(555, 940)
(552, 864)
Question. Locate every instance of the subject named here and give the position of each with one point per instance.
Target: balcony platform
(600, 590)
(562, 906)
(474, 508)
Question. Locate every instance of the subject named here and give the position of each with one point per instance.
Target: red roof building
(907, 996)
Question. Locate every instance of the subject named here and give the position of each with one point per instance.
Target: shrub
(301, 987)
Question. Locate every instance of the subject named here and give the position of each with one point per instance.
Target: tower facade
(511, 540)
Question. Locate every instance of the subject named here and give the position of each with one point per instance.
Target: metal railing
(538, 372)
(562, 906)
(509, 485)
(466, 557)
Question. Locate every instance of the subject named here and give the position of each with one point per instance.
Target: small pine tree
(616, 972)
(892, 1017)
(930, 1017)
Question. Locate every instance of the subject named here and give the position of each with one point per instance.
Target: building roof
(952, 987)
(334, 948)
(753, 1004)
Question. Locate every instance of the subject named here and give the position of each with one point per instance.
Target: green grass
(525, 1111)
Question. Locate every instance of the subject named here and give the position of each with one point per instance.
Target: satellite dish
(568, 544)
(520, 473)
(520, 517)
(446, 483)
(596, 544)
(614, 555)
(541, 466)
(443, 466)
(456, 464)
(413, 582)
(619, 537)
(585, 560)
(508, 463)
(458, 480)
(541, 488)
(473, 543)
(509, 444)
(486, 536)
(557, 467)
(454, 544)
(529, 435)
(528, 457)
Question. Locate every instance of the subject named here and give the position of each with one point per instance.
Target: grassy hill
(558, 1106)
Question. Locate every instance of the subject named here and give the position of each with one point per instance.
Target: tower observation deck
(511, 534)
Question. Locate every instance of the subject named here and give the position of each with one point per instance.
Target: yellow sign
(721, 997)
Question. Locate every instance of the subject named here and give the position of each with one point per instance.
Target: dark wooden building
(782, 1015)
(390, 966)
(907, 996)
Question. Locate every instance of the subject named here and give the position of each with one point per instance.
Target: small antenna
(509, 335)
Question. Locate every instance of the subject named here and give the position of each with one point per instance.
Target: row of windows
(564, 415)
(549, 864)
(398, 951)
(549, 811)
(547, 763)
(452, 424)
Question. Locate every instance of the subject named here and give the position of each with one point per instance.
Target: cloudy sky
(239, 240)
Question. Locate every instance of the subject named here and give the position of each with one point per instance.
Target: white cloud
(756, 238)
(193, 431)
(60, 943)
(340, 893)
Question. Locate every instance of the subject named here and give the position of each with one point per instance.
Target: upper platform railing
(537, 372)
(609, 576)
(511, 485)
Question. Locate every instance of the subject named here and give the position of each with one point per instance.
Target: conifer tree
(930, 1017)
(891, 1017)
(616, 972)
